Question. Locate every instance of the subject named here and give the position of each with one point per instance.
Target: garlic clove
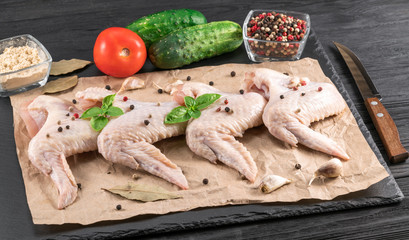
(271, 183)
(330, 169)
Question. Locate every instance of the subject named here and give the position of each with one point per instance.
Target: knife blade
(384, 124)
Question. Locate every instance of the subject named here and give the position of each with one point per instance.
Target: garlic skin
(272, 182)
(330, 169)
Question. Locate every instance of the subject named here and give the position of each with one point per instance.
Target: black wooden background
(377, 31)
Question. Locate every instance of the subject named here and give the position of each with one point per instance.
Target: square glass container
(26, 78)
(259, 50)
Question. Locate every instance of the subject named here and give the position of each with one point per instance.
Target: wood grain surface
(377, 31)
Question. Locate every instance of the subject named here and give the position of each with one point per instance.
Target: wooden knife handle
(387, 130)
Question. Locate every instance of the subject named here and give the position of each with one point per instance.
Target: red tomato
(119, 52)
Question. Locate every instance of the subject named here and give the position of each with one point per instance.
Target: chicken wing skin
(212, 135)
(294, 103)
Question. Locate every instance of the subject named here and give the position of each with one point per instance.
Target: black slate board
(384, 192)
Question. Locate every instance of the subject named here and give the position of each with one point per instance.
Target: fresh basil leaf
(92, 112)
(195, 113)
(206, 100)
(178, 114)
(107, 101)
(114, 111)
(189, 101)
(98, 123)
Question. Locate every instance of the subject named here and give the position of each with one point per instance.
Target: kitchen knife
(380, 117)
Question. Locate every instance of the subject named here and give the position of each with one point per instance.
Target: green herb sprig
(192, 108)
(99, 116)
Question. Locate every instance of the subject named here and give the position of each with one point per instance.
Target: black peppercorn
(211, 83)
(303, 94)
(79, 185)
(60, 129)
(74, 101)
(146, 122)
(282, 96)
(118, 207)
(233, 73)
(107, 87)
(188, 78)
(160, 90)
(241, 91)
(297, 166)
(205, 181)
(286, 74)
(67, 127)
(132, 107)
(68, 114)
(227, 109)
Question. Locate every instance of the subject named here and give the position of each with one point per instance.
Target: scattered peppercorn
(118, 207)
(76, 115)
(218, 109)
(233, 73)
(319, 89)
(297, 166)
(211, 83)
(79, 185)
(150, 116)
(146, 122)
(241, 91)
(303, 94)
(72, 118)
(107, 87)
(68, 114)
(282, 96)
(226, 101)
(70, 109)
(125, 99)
(286, 74)
(188, 78)
(298, 110)
(160, 90)
(227, 109)
(47, 135)
(60, 129)
(295, 88)
(205, 181)
(132, 107)
(158, 104)
(74, 101)
(108, 172)
(67, 127)
(59, 122)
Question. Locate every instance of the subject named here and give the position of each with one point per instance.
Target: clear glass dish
(265, 50)
(29, 77)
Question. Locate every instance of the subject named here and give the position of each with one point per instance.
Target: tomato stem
(125, 52)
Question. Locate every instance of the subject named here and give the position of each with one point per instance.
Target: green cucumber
(155, 26)
(195, 43)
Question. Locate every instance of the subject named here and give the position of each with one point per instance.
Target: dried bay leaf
(60, 84)
(67, 66)
(142, 193)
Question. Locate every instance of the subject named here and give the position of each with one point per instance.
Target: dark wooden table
(378, 31)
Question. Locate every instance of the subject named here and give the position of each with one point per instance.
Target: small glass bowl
(29, 77)
(263, 50)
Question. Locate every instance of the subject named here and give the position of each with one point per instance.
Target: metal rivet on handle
(374, 103)
(379, 114)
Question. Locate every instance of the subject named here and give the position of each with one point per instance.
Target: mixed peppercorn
(284, 30)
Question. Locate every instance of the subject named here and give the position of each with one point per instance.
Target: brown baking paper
(225, 185)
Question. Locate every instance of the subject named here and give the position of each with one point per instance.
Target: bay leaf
(67, 66)
(60, 84)
(144, 193)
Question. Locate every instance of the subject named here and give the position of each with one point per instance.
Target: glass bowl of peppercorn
(275, 35)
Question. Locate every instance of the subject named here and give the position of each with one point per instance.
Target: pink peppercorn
(76, 115)
(125, 99)
(319, 89)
